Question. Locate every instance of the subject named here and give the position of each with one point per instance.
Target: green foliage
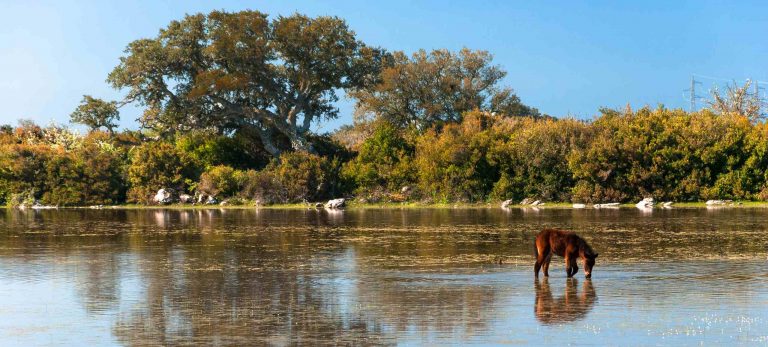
(264, 187)
(383, 164)
(96, 113)
(156, 165)
(244, 72)
(452, 165)
(438, 87)
(668, 154)
(22, 170)
(88, 171)
(532, 156)
(222, 181)
(209, 149)
(302, 176)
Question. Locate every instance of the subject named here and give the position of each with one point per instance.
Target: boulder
(405, 190)
(335, 203)
(163, 196)
(211, 200)
(537, 203)
(186, 199)
(526, 201)
(667, 204)
(506, 203)
(645, 203)
(579, 206)
(319, 205)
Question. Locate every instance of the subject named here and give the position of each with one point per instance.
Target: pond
(379, 276)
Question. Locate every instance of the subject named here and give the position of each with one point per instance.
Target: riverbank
(401, 205)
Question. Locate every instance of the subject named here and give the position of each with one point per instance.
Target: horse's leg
(537, 266)
(540, 258)
(568, 265)
(575, 266)
(546, 263)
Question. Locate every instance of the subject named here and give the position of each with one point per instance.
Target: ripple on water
(442, 276)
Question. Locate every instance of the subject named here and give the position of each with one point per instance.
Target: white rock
(506, 203)
(667, 204)
(335, 203)
(715, 202)
(163, 196)
(579, 206)
(537, 203)
(645, 203)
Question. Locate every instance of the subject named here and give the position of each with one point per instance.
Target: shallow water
(379, 276)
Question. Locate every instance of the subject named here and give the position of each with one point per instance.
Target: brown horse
(565, 244)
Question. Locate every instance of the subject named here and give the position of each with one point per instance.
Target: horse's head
(589, 262)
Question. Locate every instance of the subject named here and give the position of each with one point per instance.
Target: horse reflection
(570, 307)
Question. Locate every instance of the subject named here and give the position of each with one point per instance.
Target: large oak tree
(438, 87)
(245, 72)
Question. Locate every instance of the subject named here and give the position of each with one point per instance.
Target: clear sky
(565, 58)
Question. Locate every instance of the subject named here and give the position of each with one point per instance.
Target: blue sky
(565, 58)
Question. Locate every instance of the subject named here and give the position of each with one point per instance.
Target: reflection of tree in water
(99, 280)
(256, 277)
(570, 307)
(252, 290)
(460, 309)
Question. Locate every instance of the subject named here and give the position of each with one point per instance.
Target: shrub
(221, 181)
(452, 164)
(302, 176)
(263, 187)
(384, 163)
(156, 165)
(209, 149)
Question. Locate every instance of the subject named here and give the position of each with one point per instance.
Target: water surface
(379, 276)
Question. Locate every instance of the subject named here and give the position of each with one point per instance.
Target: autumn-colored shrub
(221, 181)
(156, 165)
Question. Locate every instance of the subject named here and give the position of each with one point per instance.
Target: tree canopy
(242, 71)
(438, 87)
(96, 113)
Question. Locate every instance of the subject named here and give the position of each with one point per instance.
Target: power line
(692, 93)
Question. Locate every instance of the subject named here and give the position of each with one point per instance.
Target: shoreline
(405, 205)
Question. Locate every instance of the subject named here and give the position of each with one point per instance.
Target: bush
(23, 170)
(63, 170)
(221, 181)
(209, 149)
(156, 165)
(302, 176)
(384, 164)
(263, 187)
(452, 164)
